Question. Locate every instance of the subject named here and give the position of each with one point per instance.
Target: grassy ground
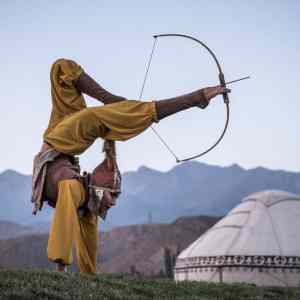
(42, 284)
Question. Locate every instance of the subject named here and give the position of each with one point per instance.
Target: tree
(170, 260)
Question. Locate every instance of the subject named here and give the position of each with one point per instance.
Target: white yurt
(256, 242)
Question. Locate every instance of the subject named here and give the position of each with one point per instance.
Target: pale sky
(112, 40)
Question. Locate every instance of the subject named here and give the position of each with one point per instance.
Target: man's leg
(120, 121)
(117, 121)
(65, 224)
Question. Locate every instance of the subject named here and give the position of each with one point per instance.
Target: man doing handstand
(72, 129)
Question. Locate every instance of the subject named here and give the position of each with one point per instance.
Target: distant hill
(142, 246)
(11, 230)
(15, 194)
(191, 188)
(137, 246)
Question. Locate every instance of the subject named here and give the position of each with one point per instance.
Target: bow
(222, 83)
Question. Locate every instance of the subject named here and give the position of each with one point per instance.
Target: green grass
(44, 284)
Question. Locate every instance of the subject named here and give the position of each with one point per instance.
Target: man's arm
(86, 84)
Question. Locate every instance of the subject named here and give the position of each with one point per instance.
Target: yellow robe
(66, 100)
(72, 129)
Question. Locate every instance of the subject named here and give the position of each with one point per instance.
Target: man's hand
(213, 91)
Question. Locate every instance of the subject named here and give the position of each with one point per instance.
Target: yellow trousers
(118, 121)
(68, 229)
(72, 129)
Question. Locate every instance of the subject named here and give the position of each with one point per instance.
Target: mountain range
(151, 196)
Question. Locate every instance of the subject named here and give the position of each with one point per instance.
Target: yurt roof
(272, 197)
(264, 223)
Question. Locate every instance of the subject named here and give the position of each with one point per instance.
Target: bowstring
(140, 97)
